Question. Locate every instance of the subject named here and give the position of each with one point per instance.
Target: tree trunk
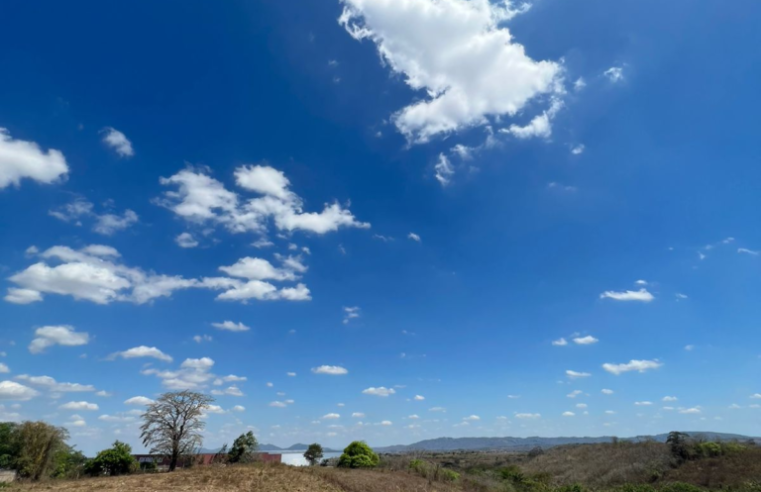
(173, 461)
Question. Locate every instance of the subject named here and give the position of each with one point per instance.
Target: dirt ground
(266, 478)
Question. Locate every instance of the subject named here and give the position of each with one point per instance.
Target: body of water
(296, 458)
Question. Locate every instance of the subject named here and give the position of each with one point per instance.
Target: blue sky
(348, 226)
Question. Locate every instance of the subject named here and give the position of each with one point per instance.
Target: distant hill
(528, 443)
(271, 448)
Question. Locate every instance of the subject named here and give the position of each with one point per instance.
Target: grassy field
(622, 467)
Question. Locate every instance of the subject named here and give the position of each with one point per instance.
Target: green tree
(243, 448)
(36, 445)
(679, 445)
(9, 445)
(313, 454)
(69, 463)
(117, 460)
(172, 425)
(358, 455)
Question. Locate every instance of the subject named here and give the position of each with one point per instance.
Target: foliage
(69, 463)
(172, 425)
(8, 444)
(117, 460)
(448, 475)
(34, 446)
(313, 454)
(358, 455)
(680, 487)
(243, 448)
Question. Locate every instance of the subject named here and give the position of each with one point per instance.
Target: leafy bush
(419, 466)
(358, 455)
(313, 454)
(243, 448)
(512, 473)
(448, 475)
(680, 487)
(117, 460)
(708, 449)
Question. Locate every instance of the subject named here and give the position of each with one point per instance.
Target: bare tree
(172, 425)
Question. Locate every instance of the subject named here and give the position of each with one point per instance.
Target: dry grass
(603, 465)
(257, 478)
(732, 470)
(381, 481)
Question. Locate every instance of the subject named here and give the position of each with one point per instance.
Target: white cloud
(643, 403)
(414, 237)
(202, 338)
(419, 398)
(331, 416)
(380, 391)
(748, 251)
(472, 418)
(413, 417)
(291, 374)
(681, 296)
(607, 391)
(614, 74)
(23, 296)
(118, 142)
(581, 405)
(203, 199)
(560, 342)
(693, 410)
(473, 73)
(756, 396)
(587, 340)
(141, 352)
(669, 398)
(528, 415)
(641, 282)
(186, 240)
(609, 412)
(330, 370)
(538, 127)
(569, 414)
(230, 326)
(278, 404)
(444, 170)
(632, 365)
(108, 224)
(351, 313)
(193, 374)
(230, 391)
(437, 409)
(4, 369)
(578, 149)
(386, 423)
(574, 393)
(116, 418)
(579, 84)
(103, 393)
(258, 269)
(10, 390)
(689, 348)
(576, 374)
(358, 415)
(21, 159)
(47, 336)
(238, 408)
(54, 386)
(270, 385)
(79, 405)
(641, 295)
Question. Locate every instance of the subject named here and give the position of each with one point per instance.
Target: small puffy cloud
(569, 414)
(560, 342)
(290, 374)
(102, 393)
(278, 404)
(330, 370)
(238, 408)
(643, 403)
(54, 386)
(689, 348)
(614, 74)
(23, 296)
(681, 296)
(230, 326)
(138, 400)
(576, 374)
(641, 295)
(108, 224)
(270, 385)
(526, 416)
(414, 237)
(419, 398)
(690, 411)
(444, 170)
(574, 393)
(609, 412)
(669, 398)
(216, 409)
(261, 269)
(230, 391)
(10, 390)
(331, 416)
(386, 423)
(756, 396)
(606, 391)
(633, 365)
(48, 336)
(351, 313)
(587, 340)
(539, 126)
(79, 405)
(746, 251)
(413, 417)
(202, 338)
(142, 352)
(472, 418)
(437, 409)
(186, 240)
(380, 391)
(117, 141)
(4, 369)
(475, 73)
(641, 282)
(21, 159)
(358, 415)
(578, 149)
(581, 405)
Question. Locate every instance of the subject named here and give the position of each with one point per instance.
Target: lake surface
(296, 458)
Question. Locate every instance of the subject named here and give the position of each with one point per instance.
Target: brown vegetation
(361, 480)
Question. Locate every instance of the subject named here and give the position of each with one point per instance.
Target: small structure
(7, 476)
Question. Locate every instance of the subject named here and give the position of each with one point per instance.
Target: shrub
(313, 454)
(358, 455)
(448, 475)
(243, 448)
(419, 466)
(575, 488)
(117, 460)
(512, 473)
(708, 449)
(680, 487)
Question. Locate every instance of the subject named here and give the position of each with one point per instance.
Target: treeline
(36, 450)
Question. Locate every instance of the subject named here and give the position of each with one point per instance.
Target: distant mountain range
(528, 443)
